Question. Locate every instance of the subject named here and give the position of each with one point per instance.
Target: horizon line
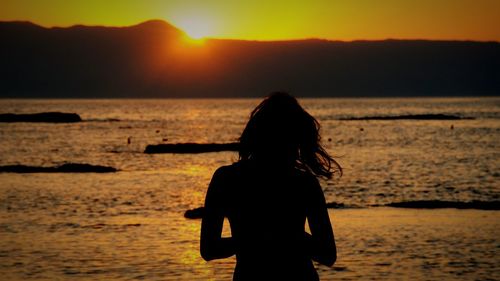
(257, 97)
(242, 39)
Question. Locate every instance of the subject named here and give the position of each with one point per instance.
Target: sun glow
(194, 41)
(195, 27)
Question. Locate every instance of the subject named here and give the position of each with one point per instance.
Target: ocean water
(129, 225)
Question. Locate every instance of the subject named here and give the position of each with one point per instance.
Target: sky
(278, 20)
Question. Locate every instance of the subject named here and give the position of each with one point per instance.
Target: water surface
(130, 224)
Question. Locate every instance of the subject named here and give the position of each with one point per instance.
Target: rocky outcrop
(409, 117)
(65, 168)
(196, 213)
(44, 117)
(191, 148)
(438, 204)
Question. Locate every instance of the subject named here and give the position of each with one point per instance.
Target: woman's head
(279, 129)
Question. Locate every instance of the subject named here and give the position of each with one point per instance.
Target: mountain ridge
(153, 59)
(162, 23)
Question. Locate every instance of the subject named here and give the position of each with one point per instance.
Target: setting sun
(195, 27)
(277, 20)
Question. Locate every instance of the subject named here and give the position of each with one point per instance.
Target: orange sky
(277, 20)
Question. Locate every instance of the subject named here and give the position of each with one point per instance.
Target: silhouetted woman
(268, 195)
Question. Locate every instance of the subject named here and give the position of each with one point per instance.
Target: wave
(103, 120)
(56, 226)
(124, 151)
(409, 117)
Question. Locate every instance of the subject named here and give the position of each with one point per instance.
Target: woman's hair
(280, 127)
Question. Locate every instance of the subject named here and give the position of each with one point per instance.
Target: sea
(130, 225)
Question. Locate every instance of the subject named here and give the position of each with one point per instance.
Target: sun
(197, 28)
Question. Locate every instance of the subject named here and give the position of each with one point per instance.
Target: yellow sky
(276, 20)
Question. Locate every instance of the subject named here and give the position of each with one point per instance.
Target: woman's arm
(212, 245)
(321, 241)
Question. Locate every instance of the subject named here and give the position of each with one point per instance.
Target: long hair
(280, 127)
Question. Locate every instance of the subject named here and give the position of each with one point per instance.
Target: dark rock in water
(196, 213)
(335, 205)
(65, 168)
(437, 204)
(191, 147)
(409, 117)
(44, 117)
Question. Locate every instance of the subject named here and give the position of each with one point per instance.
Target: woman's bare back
(267, 209)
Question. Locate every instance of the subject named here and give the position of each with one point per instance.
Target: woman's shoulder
(309, 185)
(305, 176)
(228, 170)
